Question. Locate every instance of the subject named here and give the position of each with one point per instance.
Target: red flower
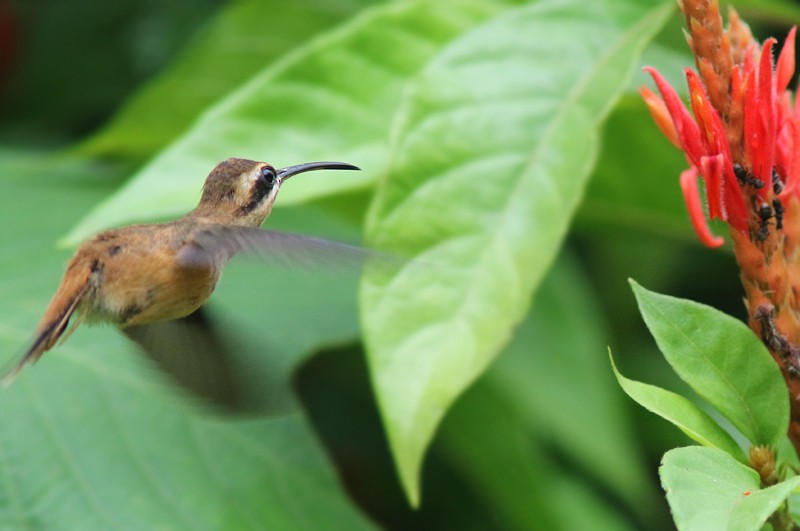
(738, 178)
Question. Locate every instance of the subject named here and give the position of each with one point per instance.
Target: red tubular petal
(711, 170)
(685, 126)
(767, 106)
(702, 110)
(735, 207)
(691, 195)
(791, 184)
(750, 138)
(658, 110)
(725, 199)
(785, 68)
(712, 132)
(784, 142)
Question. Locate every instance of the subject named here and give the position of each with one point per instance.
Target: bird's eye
(268, 175)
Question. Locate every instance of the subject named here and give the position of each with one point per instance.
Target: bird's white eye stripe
(266, 180)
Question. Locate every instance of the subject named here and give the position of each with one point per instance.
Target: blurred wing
(214, 366)
(218, 243)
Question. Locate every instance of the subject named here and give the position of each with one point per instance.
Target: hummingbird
(152, 280)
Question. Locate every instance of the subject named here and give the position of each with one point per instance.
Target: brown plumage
(139, 275)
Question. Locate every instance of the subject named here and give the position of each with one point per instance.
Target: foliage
(725, 363)
(483, 127)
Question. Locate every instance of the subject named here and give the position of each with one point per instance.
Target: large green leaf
(680, 411)
(96, 438)
(491, 154)
(332, 99)
(501, 456)
(547, 390)
(240, 41)
(548, 363)
(708, 490)
(722, 360)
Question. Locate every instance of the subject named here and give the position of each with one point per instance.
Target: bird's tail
(51, 328)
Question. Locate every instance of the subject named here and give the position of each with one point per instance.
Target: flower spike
(743, 139)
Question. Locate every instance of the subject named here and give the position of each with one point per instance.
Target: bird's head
(242, 192)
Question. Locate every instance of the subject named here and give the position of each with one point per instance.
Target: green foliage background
(502, 142)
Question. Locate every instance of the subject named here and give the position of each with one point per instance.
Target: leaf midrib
(721, 375)
(494, 241)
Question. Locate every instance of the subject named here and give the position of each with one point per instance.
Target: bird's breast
(140, 284)
(168, 293)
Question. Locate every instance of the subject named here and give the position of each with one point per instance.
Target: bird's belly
(165, 294)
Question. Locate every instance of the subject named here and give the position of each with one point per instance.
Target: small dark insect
(777, 182)
(778, 206)
(765, 214)
(775, 341)
(745, 177)
(740, 172)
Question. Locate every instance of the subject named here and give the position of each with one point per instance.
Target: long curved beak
(285, 173)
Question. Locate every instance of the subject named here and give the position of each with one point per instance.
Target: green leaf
(722, 360)
(98, 439)
(486, 435)
(545, 393)
(232, 48)
(332, 99)
(547, 363)
(691, 420)
(708, 490)
(491, 153)
(753, 511)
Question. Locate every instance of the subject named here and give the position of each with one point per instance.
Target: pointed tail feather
(46, 336)
(30, 356)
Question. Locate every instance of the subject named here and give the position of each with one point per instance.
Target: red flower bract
(738, 179)
(692, 197)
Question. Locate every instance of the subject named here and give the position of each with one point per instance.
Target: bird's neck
(214, 214)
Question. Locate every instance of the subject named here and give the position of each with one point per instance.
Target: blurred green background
(93, 437)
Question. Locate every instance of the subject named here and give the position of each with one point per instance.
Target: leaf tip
(409, 478)
(636, 287)
(613, 364)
